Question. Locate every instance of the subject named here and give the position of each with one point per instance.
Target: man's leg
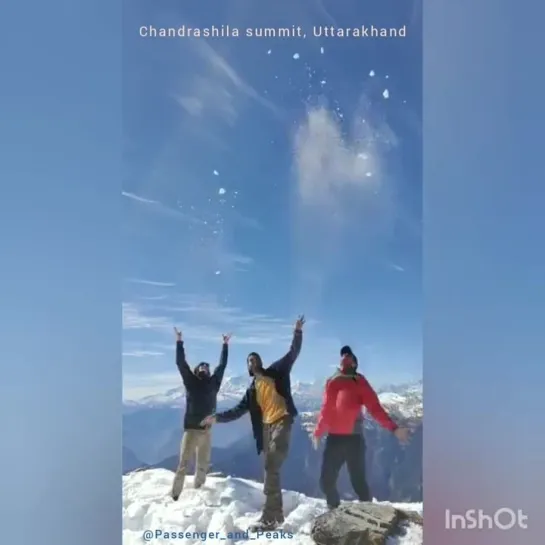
(277, 451)
(356, 467)
(334, 457)
(187, 451)
(204, 447)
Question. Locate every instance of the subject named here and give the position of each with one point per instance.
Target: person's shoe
(177, 487)
(263, 526)
(267, 524)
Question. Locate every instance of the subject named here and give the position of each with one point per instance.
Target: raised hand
(178, 334)
(300, 323)
(402, 435)
(226, 338)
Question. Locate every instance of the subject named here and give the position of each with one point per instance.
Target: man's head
(255, 363)
(202, 370)
(349, 362)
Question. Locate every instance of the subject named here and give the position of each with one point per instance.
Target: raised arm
(370, 400)
(284, 364)
(220, 369)
(185, 371)
(327, 409)
(236, 412)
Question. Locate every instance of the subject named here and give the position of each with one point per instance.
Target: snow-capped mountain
(405, 399)
(308, 394)
(232, 388)
(152, 426)
(394, 470)
(224, 508)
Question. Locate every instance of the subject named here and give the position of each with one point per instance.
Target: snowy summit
(221, 511)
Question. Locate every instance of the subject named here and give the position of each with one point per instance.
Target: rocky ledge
(362, 524)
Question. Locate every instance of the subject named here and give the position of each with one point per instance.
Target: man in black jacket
(272, 411)
(201, 393)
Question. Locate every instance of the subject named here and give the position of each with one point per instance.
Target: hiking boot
(267, 524)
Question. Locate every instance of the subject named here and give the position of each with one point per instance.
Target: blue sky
(267, 177)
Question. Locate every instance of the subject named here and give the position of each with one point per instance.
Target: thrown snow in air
(322, 50)
(269, 51)
(296, 55)
(225, 507)
(221, 191)
(386, 93)
(216, 173)
(372, 73)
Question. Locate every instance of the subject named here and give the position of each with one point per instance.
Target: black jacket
(280, 372)
(201, 394)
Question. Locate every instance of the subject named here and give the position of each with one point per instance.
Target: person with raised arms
(202, 389)
(272, 410)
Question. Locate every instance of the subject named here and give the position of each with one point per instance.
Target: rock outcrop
(361, 524)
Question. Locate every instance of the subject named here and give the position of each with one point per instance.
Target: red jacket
(344, 397)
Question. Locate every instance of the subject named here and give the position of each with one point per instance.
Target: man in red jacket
(342, 419)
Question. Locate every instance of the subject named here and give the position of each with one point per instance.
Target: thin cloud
(323, 11)
(236, 262)
(192, 105)
(207, 95)
(152, 283)
(217, 90)
(135, 197)
(204, 319)
(224, 70)
(135, 318)
(142, 354)
(163, 209)
(397, 268)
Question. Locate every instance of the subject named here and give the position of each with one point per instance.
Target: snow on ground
(219, 512)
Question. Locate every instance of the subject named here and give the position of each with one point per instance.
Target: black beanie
(197, 367)
(347, 351)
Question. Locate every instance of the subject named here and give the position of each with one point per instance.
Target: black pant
(341, 449)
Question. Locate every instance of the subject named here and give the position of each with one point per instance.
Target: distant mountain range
(232, 390)
(152, 433)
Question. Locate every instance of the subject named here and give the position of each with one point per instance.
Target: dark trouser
(341, 449)
(276, 443)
